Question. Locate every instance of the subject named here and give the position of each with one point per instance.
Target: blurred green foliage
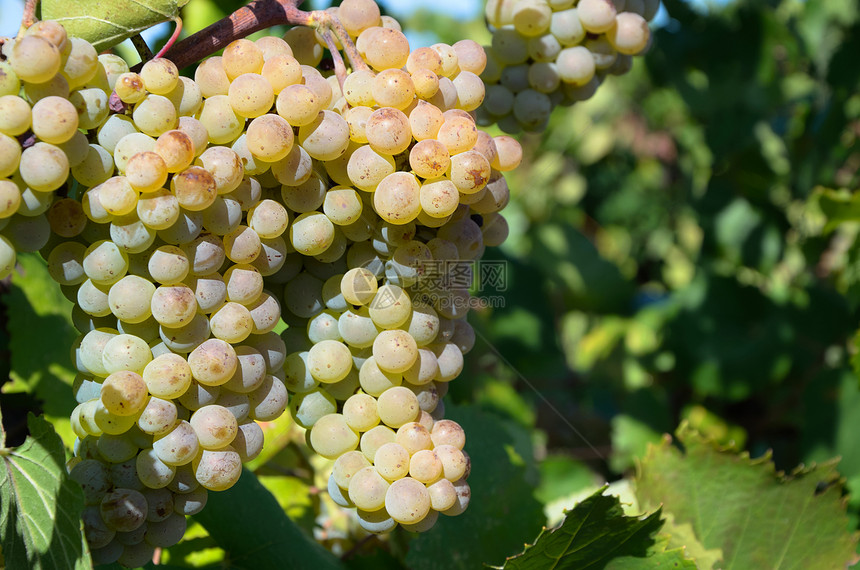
(683, 247)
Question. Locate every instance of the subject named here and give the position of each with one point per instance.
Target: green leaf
(838, 206)
(108, 22)
(247, 522)
(41, 507)
(682, 535)
(759, 518)
(594, 533)
(502, 513)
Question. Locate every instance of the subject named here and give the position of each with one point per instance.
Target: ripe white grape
(153, 472)
(391, 461)
(177, 446)
(213, 362)
(157, 416)
(123, 393)
(331, 436)
(269, 400)
(367, 489)
(407, 501)
(397, 406)
(360, 412)
(123, 510)
(218, 470)
(309, 407)
(215, 426)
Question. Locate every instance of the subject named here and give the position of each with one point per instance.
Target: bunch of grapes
(180, 215)
(546, 53)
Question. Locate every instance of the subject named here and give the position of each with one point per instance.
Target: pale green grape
(199, 395)
(116, 448)
(269, 400)
(470, 90)
(185, 338)
(331, 436)
(105, 263)
(220, 120)
(218, 470)
(250, 372)
(360, 413)
(160, 76)
(250, 95)
(388, 131)
(323, 327)
(215, 426)
(391, 461)
(630, 34)
(376, 522)
(10, 155)
(159, 210)
(81, 64)
(91, 105)
(65, 263)
(509, 47)
(242, 56)
(35, 59)
(367, 489)
(205, 254)
(43, 167)
(185, 229)
(231, 323)
(125, 352)
(10, 84)
(326, 137)
(425, 467)
(129, 88)
(167, 376)
(269, 138)
(176, 148)
(173, 305)
(123, 510)
(113, 130)
(385, 48)
(397, 406)
(346, 466)
(213, 362)
(374, 380)
(309, 407)
(194, 188)
(298, 105)
(281, 70)
(242, 245)
(157, 416)
(168, 265)
(166, 533)
(597, 16)
(130, 299)
(127, 147)
(177, 446)
(407, 501)
(191, 503)
(414, 437)
(93, 298)
(211, 77)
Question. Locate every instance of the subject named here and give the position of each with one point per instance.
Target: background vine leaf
(758, 517)
(41, 507)
(108, 22)
(597, 534)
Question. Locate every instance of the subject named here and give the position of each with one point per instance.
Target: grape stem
(29, 17)
(339, 66)
(173, 37)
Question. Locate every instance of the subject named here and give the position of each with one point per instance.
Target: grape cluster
(546, 53)
(180, 215)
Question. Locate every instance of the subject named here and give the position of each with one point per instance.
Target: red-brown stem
(339, 66)
(29, 17)
(173, 37)
(243, 22)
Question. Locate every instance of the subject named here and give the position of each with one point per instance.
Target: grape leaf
(759, 518)
(247, 522)
(682, 535)
(108, 22)
(41, 507)
(502, 513)
(594, 534)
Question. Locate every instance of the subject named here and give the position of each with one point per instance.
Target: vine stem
(259, 15)
(29, 17)
(256, 16)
